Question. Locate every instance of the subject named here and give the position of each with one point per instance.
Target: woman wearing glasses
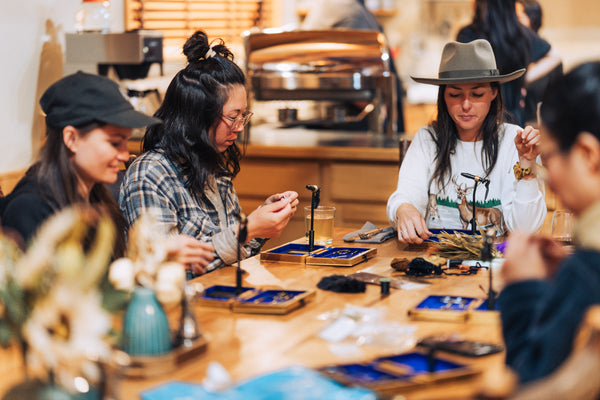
(185, 172)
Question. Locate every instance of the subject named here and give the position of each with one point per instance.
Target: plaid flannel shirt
(153, 182)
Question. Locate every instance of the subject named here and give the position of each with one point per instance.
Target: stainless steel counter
(274, 135)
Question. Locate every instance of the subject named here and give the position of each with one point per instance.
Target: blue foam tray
(293, 248)
(435, 302)
(413, 364)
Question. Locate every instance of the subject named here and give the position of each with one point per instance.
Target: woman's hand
(269, 220)
(290, 194)
(411, 225)
(191, 252)
(531, 257)
(527, 143)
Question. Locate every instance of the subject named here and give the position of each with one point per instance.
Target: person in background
(529, 13)
(188, 163)
(349, 14)
(546, 291)
(352, 14)
(88, 123)
(514, 46)
(542, 72)
(468, 136)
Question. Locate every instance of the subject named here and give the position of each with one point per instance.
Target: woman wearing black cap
(189, 161)
(88, 124)
(468, 137)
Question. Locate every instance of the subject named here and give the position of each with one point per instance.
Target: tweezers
(365, 235)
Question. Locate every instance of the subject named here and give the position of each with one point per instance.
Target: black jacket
(540, 319)
(25, 209)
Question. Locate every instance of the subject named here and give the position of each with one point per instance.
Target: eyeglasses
(240, 121)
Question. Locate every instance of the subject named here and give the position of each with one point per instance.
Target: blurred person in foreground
(547, 289)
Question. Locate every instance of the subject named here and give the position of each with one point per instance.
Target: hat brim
(129, 119)
(479, 79)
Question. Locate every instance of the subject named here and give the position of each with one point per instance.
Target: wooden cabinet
(357, 181)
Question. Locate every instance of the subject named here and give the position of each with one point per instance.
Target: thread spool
(385, 286)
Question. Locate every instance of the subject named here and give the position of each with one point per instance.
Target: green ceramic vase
(145, 326)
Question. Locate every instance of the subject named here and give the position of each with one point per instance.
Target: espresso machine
(325, 79)
(129, 54)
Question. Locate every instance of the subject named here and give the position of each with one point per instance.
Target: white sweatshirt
(520, 204)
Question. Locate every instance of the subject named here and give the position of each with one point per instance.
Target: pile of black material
(342, 284)
(421, 267)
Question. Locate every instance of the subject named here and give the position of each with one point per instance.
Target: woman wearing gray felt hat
(468, 144)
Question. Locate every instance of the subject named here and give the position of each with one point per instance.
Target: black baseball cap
(81, 98)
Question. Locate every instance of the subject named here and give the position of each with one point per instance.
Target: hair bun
(196, 46)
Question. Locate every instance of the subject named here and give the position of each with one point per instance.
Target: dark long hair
(192, 106)
(497, 22)
(571, 105)
(445, 135)
(533, 9)
(57, 179)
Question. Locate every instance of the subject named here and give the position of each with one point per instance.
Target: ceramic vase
(145, 327)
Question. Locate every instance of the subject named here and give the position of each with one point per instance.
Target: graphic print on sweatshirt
(452, 207)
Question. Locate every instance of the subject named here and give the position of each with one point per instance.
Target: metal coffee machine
(328, 79)
(129, 54)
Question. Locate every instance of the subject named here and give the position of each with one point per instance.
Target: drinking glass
(323, 223)
(562, 227)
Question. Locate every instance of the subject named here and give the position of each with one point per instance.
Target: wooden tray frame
(469, 314)
(313, 258)
(279, 309)
(150, 366)
(343, 262)
(402, 382)
(237, 304)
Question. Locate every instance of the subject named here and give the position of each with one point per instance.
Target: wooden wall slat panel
(178, 19)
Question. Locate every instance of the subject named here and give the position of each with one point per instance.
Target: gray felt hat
(472, 62)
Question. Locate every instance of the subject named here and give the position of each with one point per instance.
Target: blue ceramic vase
(145, 328)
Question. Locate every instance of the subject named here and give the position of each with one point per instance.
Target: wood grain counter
(248, 345)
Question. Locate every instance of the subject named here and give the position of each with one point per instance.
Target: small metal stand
(242, 235)
(314, 203)
(477, 180)
(188, 326)
(486, 255)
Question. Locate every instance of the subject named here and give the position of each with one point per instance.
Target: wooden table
(251, 344)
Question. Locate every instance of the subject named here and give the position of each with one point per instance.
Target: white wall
(25, 74)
